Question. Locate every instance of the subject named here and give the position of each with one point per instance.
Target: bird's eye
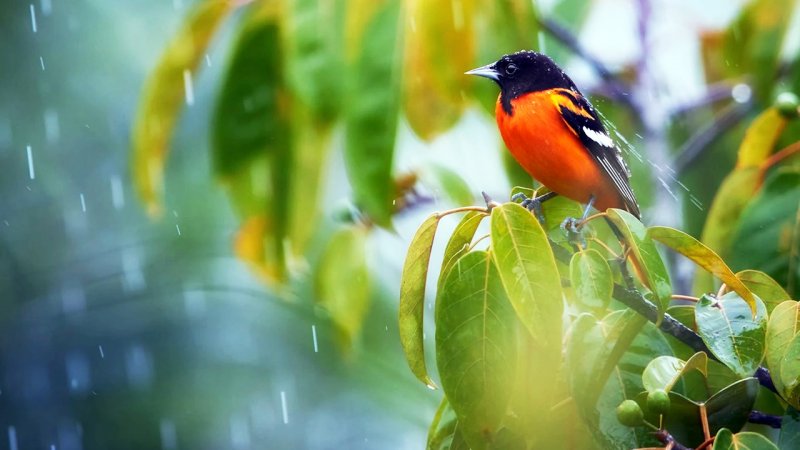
(511, 69)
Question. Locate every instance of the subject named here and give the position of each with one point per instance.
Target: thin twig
(685, 297)
(665, 438)
(776, 158)
(765, 419)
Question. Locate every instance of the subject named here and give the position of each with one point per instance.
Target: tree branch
(765, 419)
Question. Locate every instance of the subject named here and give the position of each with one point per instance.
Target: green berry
(787, 103)
(658, 402)
(630, 414)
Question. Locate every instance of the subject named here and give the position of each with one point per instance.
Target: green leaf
(745, 440)
(528, 270)
(252, 123)
(434, 73)
(704, 257)
(768, 235)
(683, 314)
(765, 287)
(459, 242)
(412, 297)
(790, 372)
(372, 105)
(441, 431)
(316, 61)
(449, 184)
(475, 346)
(664, 371)
(790, 430)
(592, 280)
(343, 282)
(731, 332)
(163, 97)
(647, 260)
(783, 326)
(729, 408)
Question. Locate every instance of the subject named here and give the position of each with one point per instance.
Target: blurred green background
(122, 330)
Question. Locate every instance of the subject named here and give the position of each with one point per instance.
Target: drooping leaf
(372, 103)
(475, 346)
(745, 440)
(434, 79)
(790, 429)
(731, 332)
(647, 261)
(443, 426)
(528, 270)
(592, 280)
(754, 40)
(760, 138)
(412, 297)
(729, 408)
(163, 96)
(704, 257)
(251, 124)
(768, 235)
(783, 326)
(664, 371)
(343, 283)
(459, 242)
(765, 287)
(448, 184)
(316, 62)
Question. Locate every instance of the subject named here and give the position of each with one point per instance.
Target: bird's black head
(523, 72)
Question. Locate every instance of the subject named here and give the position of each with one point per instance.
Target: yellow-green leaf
(664, 371)
(459, 241)
(745, 440)
(592, 280)
(704, 257)
(783, 326)
(476, 346)
(163, 96)
(760, 138)
(412, 297)
(646, 258)
(765, 287)
(528, 270)
(434, 77)
(343, 282)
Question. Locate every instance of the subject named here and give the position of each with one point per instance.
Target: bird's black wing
(595, 138)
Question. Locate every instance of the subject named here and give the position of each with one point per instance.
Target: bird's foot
(573, 228)
(534, 204)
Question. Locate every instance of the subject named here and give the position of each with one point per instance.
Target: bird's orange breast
(550, 151)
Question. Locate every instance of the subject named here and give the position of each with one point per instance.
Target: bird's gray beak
(486, 71)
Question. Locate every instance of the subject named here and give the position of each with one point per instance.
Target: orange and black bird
(556, 135)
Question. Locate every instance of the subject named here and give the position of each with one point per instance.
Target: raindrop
(117, 195)
(314, 337)
(741, 93)
(102, 354)
(41, 61)
(12, 438)
(31, 172)
(208, 60)
(52, 128)
(284, 409)
(187, 87)
(83, 203)
(78, 373)
(178, 229)
(33, 18)
(133, 278)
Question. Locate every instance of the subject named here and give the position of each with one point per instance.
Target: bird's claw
(533, 205)
(572, 227)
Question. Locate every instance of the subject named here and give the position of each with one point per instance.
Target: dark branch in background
(700, 141)
(765, 419)
(617, 89)
(715, 93)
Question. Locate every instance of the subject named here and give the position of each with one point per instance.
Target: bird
(555, 134)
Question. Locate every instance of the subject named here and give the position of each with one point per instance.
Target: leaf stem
(775, 159)
(685, 297)
(704, 421)
(481, 209)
